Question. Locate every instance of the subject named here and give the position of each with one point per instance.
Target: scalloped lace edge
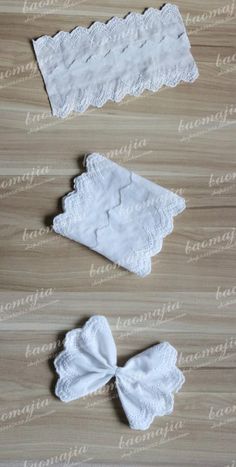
(156, 238)
(169, 10)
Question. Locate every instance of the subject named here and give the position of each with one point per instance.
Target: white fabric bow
(145, 384)
(118, 214)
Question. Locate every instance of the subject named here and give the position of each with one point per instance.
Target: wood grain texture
(183, 139)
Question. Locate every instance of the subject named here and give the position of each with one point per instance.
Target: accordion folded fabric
(145, 384)
(89, 66)
(118, 213)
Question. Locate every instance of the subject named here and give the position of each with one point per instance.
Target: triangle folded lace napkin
(118, 214)
(107, 61)
(145, 384)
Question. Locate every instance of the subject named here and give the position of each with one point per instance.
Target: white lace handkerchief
(89, 66)
(119, 214)
(145, 384)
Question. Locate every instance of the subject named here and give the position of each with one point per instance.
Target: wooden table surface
(181, 138)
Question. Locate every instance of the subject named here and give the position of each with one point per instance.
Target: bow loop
(88, 361)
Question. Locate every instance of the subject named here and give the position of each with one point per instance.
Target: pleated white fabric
(118, 214)
(89, 66)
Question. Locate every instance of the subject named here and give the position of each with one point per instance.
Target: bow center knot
(117, 370)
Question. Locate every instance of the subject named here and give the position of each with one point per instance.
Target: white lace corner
(118, 214)
(107, 61)
(145, 384)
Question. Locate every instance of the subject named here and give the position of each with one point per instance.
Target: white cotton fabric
(89, 66)
(145, 384)
(118, 214)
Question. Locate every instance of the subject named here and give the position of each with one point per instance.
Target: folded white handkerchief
(145, 384)
(118, 214)
(89, 66)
